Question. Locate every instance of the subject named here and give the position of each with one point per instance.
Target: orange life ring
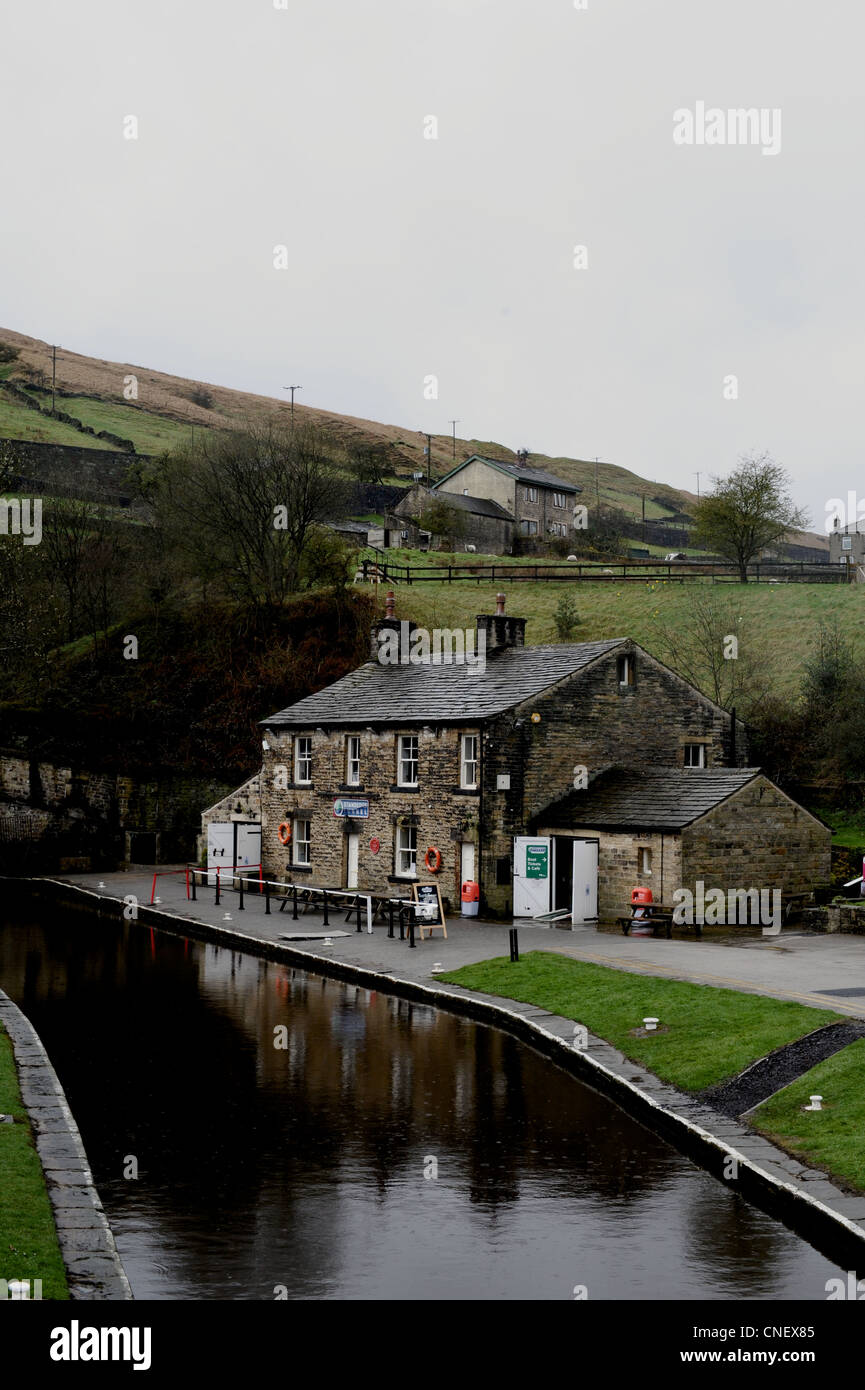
(435, 855)
(284, 833)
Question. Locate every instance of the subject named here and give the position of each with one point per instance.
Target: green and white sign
(537, 861)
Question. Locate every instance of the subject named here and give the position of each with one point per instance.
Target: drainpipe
(662, 866)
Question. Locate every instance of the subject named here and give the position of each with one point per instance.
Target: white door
(532, 877)
(585, 900)
(220, 849)
(352, 844)
(248, 843)
(467, 861)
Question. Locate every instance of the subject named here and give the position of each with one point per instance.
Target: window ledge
(298, 868)
(398, 787)
(351, 787)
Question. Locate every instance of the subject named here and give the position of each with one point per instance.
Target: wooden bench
(657, 916)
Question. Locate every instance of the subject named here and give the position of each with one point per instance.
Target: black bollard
(194, 899)
(216, 899)
(514, 944)
(359, 928)
(240, 906)
(326, 918)
(390, 920)
(411, 927)
(267, 899)
(294, 892)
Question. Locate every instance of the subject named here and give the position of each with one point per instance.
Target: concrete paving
(813, 969)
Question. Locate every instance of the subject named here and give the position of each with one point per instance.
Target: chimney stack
(500, 631)
(390, 623)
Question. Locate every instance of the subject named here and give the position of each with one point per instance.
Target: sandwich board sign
(429, 908)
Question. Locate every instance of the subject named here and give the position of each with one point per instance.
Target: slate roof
(428, 694)
(657, 798)
(518, 471)
(478, 506)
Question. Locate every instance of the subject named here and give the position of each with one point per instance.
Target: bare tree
(242, 506)
(718, 647)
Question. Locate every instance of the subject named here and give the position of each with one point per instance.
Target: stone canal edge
(93, 1267)
(803, 1198)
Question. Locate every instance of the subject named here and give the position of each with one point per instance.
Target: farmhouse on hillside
(540, 503)
(554, 776)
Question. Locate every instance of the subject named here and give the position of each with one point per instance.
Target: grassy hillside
(167, 406)
(783, 617)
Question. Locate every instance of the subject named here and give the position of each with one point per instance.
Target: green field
(713, 1033)
(151, 434)
(28, 1240)
(783, 618)
(834, 1137)
(17, 422)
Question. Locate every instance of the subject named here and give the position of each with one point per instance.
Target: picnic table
(655, 915)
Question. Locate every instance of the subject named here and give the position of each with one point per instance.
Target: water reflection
(283, 1125)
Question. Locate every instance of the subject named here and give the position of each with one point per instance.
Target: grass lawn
(28, 1241)
(713, 1033)
(834, 1137)
(848, 826)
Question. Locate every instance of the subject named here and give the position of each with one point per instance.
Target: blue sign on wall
(355, 807)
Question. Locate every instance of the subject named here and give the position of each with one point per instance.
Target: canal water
(387, 1150)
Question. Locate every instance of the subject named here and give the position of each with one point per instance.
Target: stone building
(541, 504)
(483, 523)
(668, 828)
(494, 770)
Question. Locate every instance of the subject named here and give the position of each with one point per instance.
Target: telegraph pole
(53, 374)
(698, 486)
(454, 423)
(428, 438)
(292, 389)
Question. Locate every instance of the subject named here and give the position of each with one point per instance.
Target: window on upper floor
(469, 761)
(625, 670)
(695, 755)
(559, 499)
(530, 494)
(303, 760)
(407, 760)
(352, 761)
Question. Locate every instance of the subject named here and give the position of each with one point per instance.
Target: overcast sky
(304, 126)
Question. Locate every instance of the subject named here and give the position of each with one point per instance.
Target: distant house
(541, 504)
(485, 524)
(847, 544)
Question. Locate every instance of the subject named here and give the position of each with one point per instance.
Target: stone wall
(757, 838)
(51, 816)
(618, 861)
(242, 804)
(64, 470)
(442, 814)
(588, 720)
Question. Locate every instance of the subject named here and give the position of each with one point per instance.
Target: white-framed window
(529, 528)
(559, 499)
(406, 763)
(695, 755)
(557, 528)
(625, 670)
(352, 761)
(846, 543)
(302, 841)
(469, 761)
(530, 494)
(406, 851)
(303, 760)
(644, 861)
